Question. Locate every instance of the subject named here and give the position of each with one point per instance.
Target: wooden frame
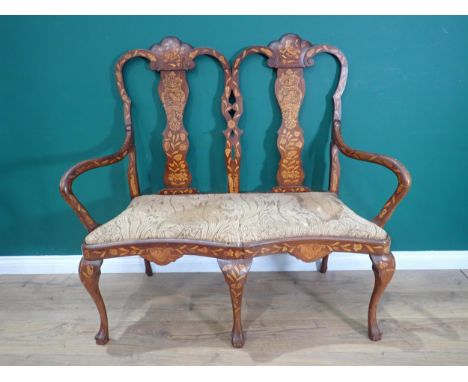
(289, 57)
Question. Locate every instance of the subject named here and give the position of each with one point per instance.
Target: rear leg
(148, 269)
(324, 265)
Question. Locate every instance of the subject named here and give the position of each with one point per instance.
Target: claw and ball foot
(148, 269)
(384, 268)
(235, 273)
(90, 271)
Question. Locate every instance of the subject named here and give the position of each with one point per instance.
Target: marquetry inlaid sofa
(235, 227)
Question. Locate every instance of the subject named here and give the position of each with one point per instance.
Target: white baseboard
(276, 263)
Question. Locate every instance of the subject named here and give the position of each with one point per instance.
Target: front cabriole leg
(383, 267)
(90, 271)
(235, 273)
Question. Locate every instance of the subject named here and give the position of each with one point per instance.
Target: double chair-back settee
(234, 227)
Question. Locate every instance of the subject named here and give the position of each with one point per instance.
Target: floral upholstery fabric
(235, 219)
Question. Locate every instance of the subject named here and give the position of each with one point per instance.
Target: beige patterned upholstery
(235, 219)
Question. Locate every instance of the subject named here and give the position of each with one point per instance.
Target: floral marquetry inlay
(290, 52)
(173, 91)
(290, 90)
(172, 54)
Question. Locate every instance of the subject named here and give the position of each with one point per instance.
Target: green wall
(407, 96)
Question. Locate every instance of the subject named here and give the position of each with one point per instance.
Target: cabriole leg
(235, 273)
(324, 265)
(90, 271)
(383, 267)
(148, 270)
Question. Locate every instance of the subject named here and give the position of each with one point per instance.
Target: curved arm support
(69, 177)
(128, 148)
(402, 174)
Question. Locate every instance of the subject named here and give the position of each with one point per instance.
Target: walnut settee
(235, 227)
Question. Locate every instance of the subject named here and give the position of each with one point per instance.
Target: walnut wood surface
(69, 177)
(148, 269)
(173, 90)
(173, 58)
(402, 174)
(290, 89)
(384, 268)
(90, 271)
(324, 264)
(233, 150)
(235, 273)
(165, 251)
(289, 57)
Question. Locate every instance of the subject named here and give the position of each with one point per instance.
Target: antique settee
(235, 227)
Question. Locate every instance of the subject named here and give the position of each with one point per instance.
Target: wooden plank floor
(299, 318)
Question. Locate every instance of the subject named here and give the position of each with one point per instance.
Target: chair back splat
(289, 56)
(171, 58)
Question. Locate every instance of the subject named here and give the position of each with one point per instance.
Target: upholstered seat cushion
(235, 219)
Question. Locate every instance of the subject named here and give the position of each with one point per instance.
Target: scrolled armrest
(69, 177)
(402, 174)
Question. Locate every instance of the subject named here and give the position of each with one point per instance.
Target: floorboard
(297, 318)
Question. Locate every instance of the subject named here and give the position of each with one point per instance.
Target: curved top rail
(126, 101)
(317, 49)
